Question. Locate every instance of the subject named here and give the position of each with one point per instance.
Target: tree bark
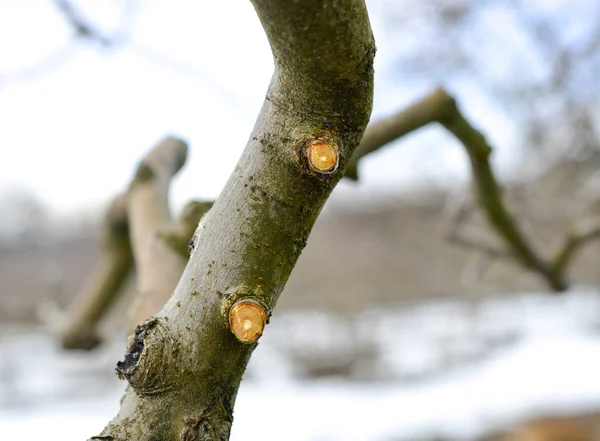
(185, 364)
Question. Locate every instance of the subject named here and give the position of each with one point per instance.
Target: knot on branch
(322, 157)
(319, 156)
(150, 357)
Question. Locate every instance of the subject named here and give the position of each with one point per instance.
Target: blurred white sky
(72, 134)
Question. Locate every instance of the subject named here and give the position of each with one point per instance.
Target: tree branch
(185, 364)
(476, 245)
(572, 245)
(81, 26)
(440, 107)
(158, 264)
(78, 331)
(178, 236)
(385, 130)
(490, 195)
(148, 200)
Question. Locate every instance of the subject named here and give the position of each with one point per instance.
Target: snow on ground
(440, 369)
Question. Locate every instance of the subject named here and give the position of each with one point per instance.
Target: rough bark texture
(78, 329)
(184, 365)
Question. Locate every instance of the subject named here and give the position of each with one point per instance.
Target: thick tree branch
(158, 264)
(185, 364)
(78, 330)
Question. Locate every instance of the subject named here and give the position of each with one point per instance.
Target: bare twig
(475, 269)
(456, 236)
(477, 245)
(53, 60)
(572, 245)
(385, 130)
(440, 107)
(490, 194)
(82, 27)
(84, 31)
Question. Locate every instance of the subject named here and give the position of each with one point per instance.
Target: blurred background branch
(76, 327)
(440, 107)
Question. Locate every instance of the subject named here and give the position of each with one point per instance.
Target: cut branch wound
(245, 312)
(322, 156)
(247, 319)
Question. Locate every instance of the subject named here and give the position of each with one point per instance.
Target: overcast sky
(73, 129)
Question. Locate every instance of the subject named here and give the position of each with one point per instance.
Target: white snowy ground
(443, 369)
